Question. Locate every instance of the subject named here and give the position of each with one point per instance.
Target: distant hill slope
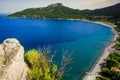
(59, 11)
(107, 11)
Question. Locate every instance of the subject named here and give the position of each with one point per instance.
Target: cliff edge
(12, 65)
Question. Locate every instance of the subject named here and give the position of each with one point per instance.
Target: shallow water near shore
(86, 40)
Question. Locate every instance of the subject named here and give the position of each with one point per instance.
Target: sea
(83, 41)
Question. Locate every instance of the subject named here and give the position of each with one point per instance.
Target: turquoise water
(86, 40)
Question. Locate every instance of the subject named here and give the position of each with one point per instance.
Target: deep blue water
(86, 40)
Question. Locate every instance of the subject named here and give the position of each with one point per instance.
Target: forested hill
(111, 12)
(108, 11)
(58, 10)
(51, 11)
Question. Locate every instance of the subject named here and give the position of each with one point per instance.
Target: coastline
(96, 68)
(94, 71)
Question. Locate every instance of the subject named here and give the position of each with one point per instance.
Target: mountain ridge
(58, 10)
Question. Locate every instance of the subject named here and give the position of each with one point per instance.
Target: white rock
(12, 65)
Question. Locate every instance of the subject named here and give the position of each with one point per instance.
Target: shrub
(102, 78)
(40, 68)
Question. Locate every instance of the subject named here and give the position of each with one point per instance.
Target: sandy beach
(94, 72)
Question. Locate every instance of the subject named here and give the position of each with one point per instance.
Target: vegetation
(59, 11)
(51, 11)
(42, 68)
(111, 69)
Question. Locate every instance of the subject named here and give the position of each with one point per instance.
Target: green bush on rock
(39, 67)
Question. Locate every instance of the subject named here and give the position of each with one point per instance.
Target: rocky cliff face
(12, 65)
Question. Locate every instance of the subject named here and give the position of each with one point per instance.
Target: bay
(85, 40)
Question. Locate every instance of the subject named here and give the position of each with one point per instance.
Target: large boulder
(12, 65)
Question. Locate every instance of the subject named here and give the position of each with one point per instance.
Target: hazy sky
(11, 6)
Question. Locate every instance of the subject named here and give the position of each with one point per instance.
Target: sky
(11, 6)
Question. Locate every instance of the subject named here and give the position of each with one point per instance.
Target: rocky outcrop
(54, 5)
(12, 65)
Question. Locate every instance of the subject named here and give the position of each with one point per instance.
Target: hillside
(51, 11)
(108, 13)
(58, 10)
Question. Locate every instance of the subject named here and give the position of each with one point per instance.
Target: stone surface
(12, 65)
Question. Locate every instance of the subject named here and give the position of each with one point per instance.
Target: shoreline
(96, 68)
